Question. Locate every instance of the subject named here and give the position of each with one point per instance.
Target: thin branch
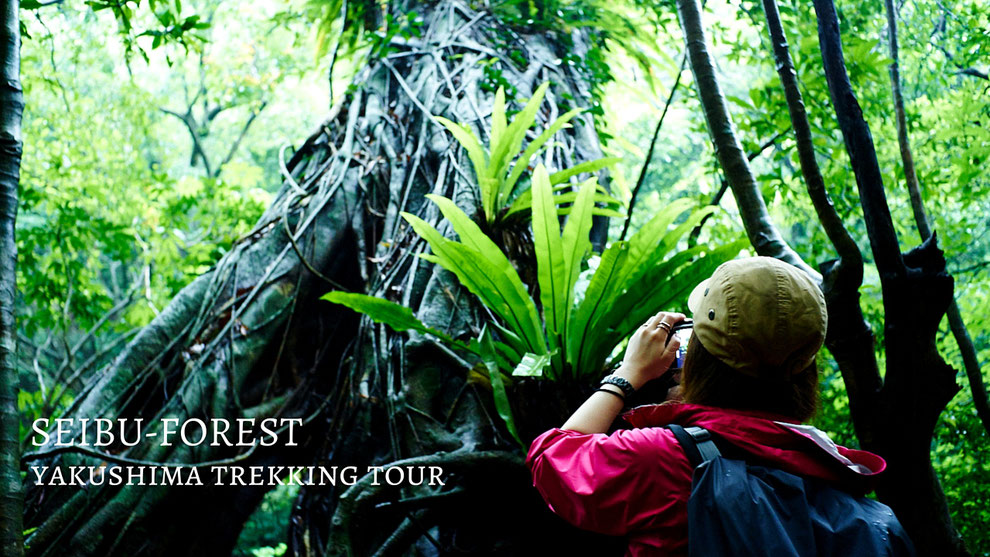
(51, 57)
(959, 331)
(240, 137)
(766, 145)
(212, 113)
(910, 175)
(198, 151)
(972, 268)
(831, 221)
(717, 198)
(91, 333)
(974, 73)
(716, 201)
(649, 153)
(285, 172)
(95, 358)
(962, 70)
(302, 258)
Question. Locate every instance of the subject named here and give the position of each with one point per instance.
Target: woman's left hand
(649, 354)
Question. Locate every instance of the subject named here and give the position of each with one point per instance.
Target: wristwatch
(620, 382)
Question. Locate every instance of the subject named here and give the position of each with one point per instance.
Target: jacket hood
(771, 440)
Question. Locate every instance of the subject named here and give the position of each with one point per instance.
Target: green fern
(573, 339)
(499, 168)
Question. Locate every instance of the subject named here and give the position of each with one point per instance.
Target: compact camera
(682, 331)
(656, 391)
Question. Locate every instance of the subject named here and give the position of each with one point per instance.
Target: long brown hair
(709, 381)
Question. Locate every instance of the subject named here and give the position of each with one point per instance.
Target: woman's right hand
(649, 354)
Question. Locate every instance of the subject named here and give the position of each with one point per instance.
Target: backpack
(741, 509)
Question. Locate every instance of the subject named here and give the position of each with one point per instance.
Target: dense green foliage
(948, 105)
(120, 208)
(115, 214)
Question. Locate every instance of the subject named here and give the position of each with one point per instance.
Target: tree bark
(762, 233)
(11, 109)
(970, 360)
(250, 338)
(916, 293)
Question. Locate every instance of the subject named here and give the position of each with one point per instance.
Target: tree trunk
(250, 338)
(11, 108)
(916, 293)
(970, 361)
(762, 233)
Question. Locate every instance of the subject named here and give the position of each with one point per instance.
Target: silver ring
(664, 326)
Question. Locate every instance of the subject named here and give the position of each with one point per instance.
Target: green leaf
(498, 384)
(469, 232)
(508, 354)
(551, 263)
(511, 339)
(646, 251)
(601, 290)
(498, 116)
(497, 285)
(612, 213)
(532, 365)
(576, 241)
(659, 288)
(672, 282)
(588, 166)
(396, 316)
(594, 211)
(635, 297)
(479, 160)
(570, 196)
(511, 143)
(525, 200)
(472, 237)
(643, 243)
(522, 163)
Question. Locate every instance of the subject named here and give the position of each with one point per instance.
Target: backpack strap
(697, 443)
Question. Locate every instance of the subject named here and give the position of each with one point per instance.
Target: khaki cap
(760, 316)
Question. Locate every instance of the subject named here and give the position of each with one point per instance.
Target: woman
(749, 377)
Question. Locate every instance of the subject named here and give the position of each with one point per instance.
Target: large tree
(250, 337)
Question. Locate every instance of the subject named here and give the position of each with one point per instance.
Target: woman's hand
(648, 354)
(647, 357)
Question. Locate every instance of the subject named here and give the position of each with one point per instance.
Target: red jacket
(636, 482)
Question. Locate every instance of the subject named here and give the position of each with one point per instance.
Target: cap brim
(694, 299)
